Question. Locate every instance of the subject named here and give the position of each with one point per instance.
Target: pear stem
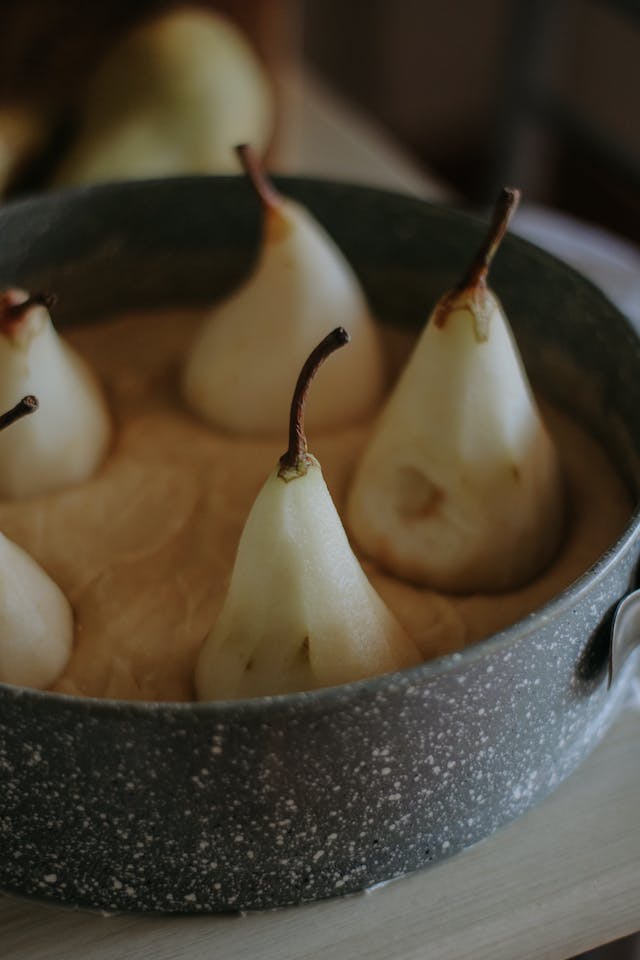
(26, 406)
(17, 310)
(259, 180)
(505, 207)
(297, 449)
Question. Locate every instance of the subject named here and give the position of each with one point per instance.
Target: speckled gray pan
(223, 807)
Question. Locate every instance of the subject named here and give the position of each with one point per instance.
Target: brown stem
(259, 180)
(27, 405)
(17, 310)
(504, 209)
(297, 448)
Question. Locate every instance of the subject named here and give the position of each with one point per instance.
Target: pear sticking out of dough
(67, 441)
(172, 97)
(300, 288)
(36, 622)
(459, 487)
(299, 612)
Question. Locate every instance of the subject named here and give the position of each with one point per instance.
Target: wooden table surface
(563, 878)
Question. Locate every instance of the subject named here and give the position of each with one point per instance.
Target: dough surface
(144, 549)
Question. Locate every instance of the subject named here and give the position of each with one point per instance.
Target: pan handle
(625, 634)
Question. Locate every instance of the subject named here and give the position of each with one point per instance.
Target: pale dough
(144, 549)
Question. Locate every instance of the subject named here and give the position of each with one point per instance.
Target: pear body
(241, 370)
(36, 621)
(459, 487)
(174, 96)
(299, 612)
(69, 437)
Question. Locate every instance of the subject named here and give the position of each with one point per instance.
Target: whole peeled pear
(69, 438)
(299, 612)
(173, 96)
(300, 287)
(36, 621)
(459, 487)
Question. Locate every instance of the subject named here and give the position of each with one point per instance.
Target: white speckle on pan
(50, 878)
(380, 827)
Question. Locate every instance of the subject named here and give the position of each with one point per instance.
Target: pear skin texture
(241, 371)
(174, 96)
(460, 487)
(299, 613)
(66, 440)
(36, 621)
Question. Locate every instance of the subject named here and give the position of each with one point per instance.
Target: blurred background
(539, 93)
(534, 92)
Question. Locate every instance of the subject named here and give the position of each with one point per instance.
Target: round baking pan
(178, 807)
